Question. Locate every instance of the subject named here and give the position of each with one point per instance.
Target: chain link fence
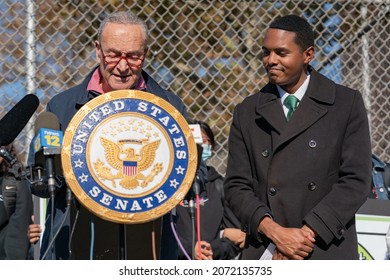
(207, 52)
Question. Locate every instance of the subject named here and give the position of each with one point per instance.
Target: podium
(141, 241)
(129, 157)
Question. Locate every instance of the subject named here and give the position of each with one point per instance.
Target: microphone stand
(51, 184)
(191, 206)
(195, 191)
(122, 242)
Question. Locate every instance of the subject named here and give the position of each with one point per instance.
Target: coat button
(340, 230)
(265, 153)
(312, 144)
(272, 191)
(312, 186)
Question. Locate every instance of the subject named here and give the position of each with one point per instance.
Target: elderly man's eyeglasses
(132, 60)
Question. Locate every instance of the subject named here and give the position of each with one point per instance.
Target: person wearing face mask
(221, 237)
(207, 150)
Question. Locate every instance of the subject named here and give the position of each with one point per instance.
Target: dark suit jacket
(65, 105)
(314, 169)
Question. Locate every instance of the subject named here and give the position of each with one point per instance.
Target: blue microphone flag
(48, 140)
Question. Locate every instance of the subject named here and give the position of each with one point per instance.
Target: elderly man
(121, 49)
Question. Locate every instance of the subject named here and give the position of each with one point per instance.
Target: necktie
(291, 102)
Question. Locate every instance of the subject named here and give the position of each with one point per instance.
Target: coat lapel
(308, 113)
(319, 95)
(270, 108)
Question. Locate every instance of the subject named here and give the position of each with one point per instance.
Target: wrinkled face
(121, 54)
(284, 60)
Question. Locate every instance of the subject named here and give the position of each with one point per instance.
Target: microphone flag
(48, 140)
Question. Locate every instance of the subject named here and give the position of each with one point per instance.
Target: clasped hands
(291, 243)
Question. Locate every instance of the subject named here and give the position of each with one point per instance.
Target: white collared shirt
(298, 94)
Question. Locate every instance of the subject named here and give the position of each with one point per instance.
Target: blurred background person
(380, 188)
(16, 209)
(221, 237)
(34, 232)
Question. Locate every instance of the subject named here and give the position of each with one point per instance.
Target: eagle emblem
(128, 163)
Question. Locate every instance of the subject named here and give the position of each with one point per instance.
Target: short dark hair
(302, 29)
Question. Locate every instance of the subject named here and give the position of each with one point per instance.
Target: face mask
(207, 153)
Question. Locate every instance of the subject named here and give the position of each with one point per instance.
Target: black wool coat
(314, 169)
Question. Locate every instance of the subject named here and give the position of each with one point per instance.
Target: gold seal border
(106, 213)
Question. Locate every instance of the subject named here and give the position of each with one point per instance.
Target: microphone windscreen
(46, 120)
(199, 150)
(17, 118)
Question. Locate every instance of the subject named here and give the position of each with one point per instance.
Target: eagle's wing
(111, 151)
(147, 155)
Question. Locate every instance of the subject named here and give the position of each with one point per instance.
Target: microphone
(7, 156)
(197, 134)
(194, 192)
(17, 118)
(47, 146)
(195, 189)
(199, 150)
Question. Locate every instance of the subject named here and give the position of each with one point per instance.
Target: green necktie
(291, 102)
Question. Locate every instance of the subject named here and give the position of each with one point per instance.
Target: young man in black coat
(298, 170)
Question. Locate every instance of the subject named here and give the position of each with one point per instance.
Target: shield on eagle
(130, 168)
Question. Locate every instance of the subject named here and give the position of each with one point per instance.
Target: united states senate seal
(129, 156)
